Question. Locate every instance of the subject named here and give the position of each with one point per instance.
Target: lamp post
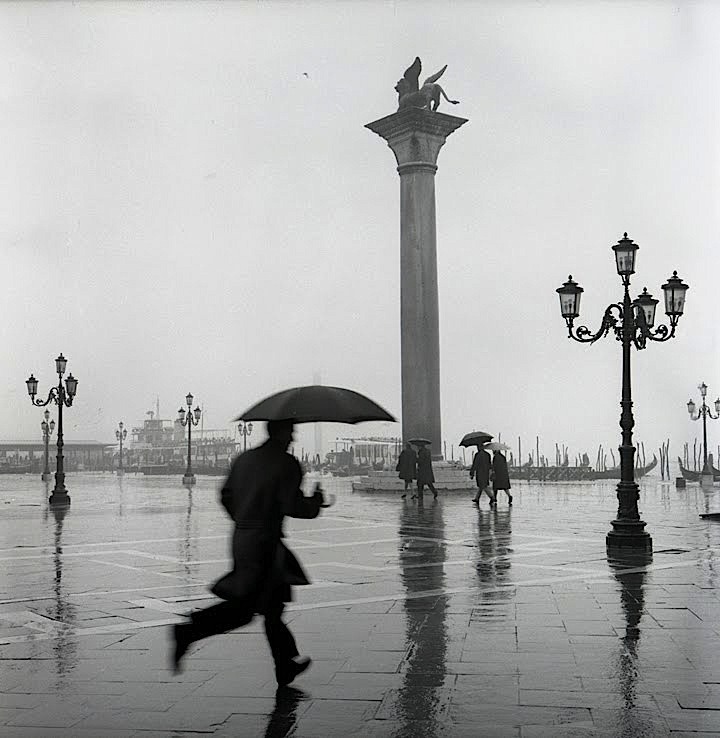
(704, 413)
(189, 421)
(61, 396)
(48, 426)
(121, 435)
(245, 430)
(632, 322)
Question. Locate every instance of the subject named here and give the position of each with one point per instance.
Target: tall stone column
(416, 136)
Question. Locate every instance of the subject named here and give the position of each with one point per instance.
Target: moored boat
(694, 476)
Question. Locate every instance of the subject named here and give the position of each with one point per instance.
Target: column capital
(416, 136)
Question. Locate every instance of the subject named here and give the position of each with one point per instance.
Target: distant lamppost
(704, 413)
(48, 426)
(189, 477)
(121, 435)
(632, 323)
(245, 430)
(62, 396)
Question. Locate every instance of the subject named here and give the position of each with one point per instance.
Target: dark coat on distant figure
(263, 486)
(501, 477)
(407, 462)
(424, 466)
(480, 468)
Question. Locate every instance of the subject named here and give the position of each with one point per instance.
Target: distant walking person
(480, 470)
(500, 476)
(262, 488)
(425, 474)
(406, 465)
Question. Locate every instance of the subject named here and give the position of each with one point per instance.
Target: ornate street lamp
(188, 420)
(704, 413)
(121, 435)
(245, 430)
(62, 397)
(48, 426)
(632, 322)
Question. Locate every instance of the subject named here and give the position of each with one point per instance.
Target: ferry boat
(159, 446)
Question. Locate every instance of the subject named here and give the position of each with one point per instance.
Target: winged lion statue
(411, 95)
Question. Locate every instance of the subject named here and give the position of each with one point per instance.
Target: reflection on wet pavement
(424, 618)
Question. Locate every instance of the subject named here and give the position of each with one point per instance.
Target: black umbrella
(317, 403)
(420, 442)
(476, 438)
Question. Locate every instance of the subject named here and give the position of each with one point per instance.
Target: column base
(120, 472)
(188, 479)
(629, 534)
(59, 499)
(46, 476)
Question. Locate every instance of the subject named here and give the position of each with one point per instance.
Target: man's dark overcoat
(424, 466)
(406, 466)
(480, 469)
(501, 477)
(263, 486)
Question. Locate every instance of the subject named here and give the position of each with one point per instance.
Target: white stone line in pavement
(153, 603)
(359, 526)
(397, 596)
(141, 569)
(64, 554)
(96, 592)
(178, 605)
(434, 564)
(112, 543)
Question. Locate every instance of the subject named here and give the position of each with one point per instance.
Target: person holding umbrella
(262, 488)
(480, 470)
(481, 463)
(406, 466)
(425, 474)
(500, 474)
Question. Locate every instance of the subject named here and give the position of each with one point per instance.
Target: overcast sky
(189, 202)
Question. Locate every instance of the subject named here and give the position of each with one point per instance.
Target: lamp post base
(46, 476)
(59, 498)
(628, 534)
(120, 472)
(188, 479)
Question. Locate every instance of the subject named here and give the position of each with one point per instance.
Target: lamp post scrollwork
(62, 397)
(187, 419)
(48, 427)
(633, 324)
(704, 412)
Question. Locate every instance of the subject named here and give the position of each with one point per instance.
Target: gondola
(614, 473)
(694, 476)
(574, 473)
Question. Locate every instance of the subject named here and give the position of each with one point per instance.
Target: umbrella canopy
(476, 438)
(420, 442)
(495, 446)
(317, 403)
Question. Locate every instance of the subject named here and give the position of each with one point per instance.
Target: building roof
(40, 442)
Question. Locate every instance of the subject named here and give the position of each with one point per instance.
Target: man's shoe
(294, 668)
(182, 643)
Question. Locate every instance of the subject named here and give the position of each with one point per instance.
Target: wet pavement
(430, 619)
